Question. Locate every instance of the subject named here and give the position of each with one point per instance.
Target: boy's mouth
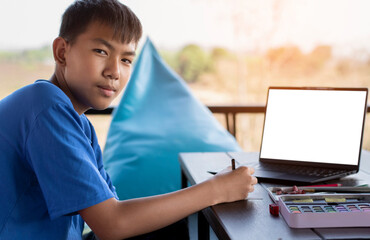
(107, 90)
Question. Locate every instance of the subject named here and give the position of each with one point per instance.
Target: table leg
(184, 180)
(203, 227)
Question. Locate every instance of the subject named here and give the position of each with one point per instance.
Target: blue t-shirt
(50, 165)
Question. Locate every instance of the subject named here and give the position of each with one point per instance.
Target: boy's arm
(114, 219)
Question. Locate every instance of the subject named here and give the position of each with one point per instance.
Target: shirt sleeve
(64, 162)
(99, 158)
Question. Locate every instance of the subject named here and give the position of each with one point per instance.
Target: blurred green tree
(38, 55)
(192, 61)
(219, 52)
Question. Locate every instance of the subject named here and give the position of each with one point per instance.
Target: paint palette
(330, 209)
(322, 211)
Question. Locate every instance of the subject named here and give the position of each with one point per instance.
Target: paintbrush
(286, 190)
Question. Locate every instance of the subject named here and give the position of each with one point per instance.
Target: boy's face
(96, 69)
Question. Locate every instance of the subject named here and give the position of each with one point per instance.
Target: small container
(274, 209)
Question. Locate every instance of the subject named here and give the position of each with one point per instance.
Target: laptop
(311, 134)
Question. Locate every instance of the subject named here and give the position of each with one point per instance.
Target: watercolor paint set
(276, 192)
(325, 210)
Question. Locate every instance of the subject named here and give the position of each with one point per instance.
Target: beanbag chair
(157, 118)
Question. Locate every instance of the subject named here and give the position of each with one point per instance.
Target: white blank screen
(314, 125)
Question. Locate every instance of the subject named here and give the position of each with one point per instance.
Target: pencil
(233, 164)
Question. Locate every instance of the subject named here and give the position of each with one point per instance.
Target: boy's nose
(112, 70)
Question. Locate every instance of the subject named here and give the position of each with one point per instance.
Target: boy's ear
(59, 50)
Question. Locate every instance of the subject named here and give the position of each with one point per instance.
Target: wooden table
(251, 219)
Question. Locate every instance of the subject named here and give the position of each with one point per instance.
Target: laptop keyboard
(301, 170)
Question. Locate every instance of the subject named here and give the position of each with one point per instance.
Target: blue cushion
(157, 118)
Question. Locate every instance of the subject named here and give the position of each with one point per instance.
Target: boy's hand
(113, 219)
(230, 186)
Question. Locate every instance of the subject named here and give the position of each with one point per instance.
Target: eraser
(274, 209)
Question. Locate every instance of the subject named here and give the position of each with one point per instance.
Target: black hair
(77, 17)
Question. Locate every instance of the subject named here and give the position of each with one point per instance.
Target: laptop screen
(314, 125)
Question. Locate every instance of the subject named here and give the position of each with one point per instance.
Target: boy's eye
(100, 51)
(125, 60)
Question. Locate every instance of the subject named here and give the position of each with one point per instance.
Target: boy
(51, 172)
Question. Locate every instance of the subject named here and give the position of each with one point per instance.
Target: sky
(239, 25)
